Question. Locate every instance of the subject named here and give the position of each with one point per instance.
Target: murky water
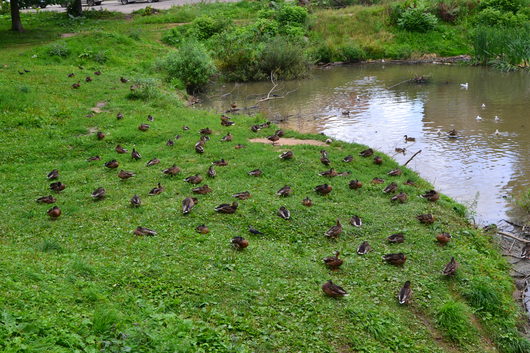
(488, 161)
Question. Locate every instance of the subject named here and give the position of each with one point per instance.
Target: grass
(85, 283)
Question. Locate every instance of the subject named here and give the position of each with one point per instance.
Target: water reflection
(371, 104)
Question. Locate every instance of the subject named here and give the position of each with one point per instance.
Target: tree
(16, 23)
(75, 8)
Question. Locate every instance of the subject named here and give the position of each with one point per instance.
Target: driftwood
(414, 155)
(509, 235)
(269, 97)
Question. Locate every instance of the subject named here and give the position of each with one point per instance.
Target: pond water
(483, 167)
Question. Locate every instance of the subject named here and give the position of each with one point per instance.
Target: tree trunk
(16, 23)
(76, 9)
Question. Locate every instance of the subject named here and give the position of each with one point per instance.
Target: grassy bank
(85, 283)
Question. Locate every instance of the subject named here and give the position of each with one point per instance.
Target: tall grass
(503, 47)
(452, 318)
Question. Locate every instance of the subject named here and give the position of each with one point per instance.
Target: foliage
(504, 5)
(497, 18)
(524, 200)
(191, 64)
(283, 59)
(417, 20)
(510, 46)
(58, 49)
(144, 89)
(4, 7)
(452, 318)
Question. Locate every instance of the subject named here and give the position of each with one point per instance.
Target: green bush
(503, 5)
(417, 20)
(351, 53)
(144, 89)
(283, 59)
(191, 64)
(494, 17)
(289, 15)
(4, 7)
(205, 26)
(58, 49)
(266, 27)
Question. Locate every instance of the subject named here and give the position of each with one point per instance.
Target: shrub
(448, 11)
(293, 31)
(144, 89)
(283, 59)
(191, 64)
(495, 17)
(205, 26)
(58, 49)
(4, 7)
(351, 53)
(292, 15)
(417, 20)
(266, 27)
(503, 5)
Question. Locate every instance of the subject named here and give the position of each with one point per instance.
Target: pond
(376, 105)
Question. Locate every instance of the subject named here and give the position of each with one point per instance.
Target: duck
(452, 133)
(202, 229)
(54, 212)
(405, 294)
(464, 85)
(98, 194)
(136, 201)
(170, 143)
(239, 146)
(226, 121)
(287, 155)
(334, 231)
(307, 202)
(93, 158)
(135, 154)
(112, 164)
(366, 153)
(150, 117)
(185, 128)
(329, 173)
(71, 74)
(356, 221)
(497, 132)
(119, 116)
(400, 150)
(255, 128)
(364, 248)
(280, 133)
(202, 190)
(205, 131)
(76, 85)
(142, 231)
(426, 218)
(377, 181)
(323, 189)
(227, 138)
(332, 290)
(333, 262)
(478, 118)
(144, 127)
(171, 171)
(100, 135)
(395, 259)
(57, 186)
(483, 106)
(355, 184)
(324, 158)
(409, 182)
(395, 172)
(119, 149)
(450, 268)
(273, 138)
(525, 251)
(242, 195)
(199, 147)
(390, 188)
(239, 243)
(431, 195)
(497, 118)
(46, 199)
(443, 238)
(220, 163)
(378, 160)
(194, 179)
(156, 190)
(227, 208)
(123, 80)
(254, 231)
(348, 159)
(188, 203)
(265, 125)
(409, 139)
(88, 79)
(284, 213)
(97, 73)
(396, 238)
(401, 197)
(211, 172)
(255, 173)
(54, 174)
(124, 175)
(284, 191)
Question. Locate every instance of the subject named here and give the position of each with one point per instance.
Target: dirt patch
(98, 108)
(68, 35)
(289, 142)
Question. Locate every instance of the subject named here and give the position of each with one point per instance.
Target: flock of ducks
(333, 262)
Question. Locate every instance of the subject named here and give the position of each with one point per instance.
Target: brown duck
(255, 128)
(426, 218)
(171, 171)
(239, 243)
(273, 138)
(220, 163)
(410, 183)
(119, 149)
(329, 173)
(226, 121)
(142, 231)
(400, 150)
(93, 158)
(443, 238)
(364, 248)
(185, 128)
(431, 195)
(119, 116)
(284, 191)
(405, 294)
(46, 199)
(152, 162)
(54, 174)
(211, 172)
(123, 174)
(356, 221)
(287, 155)
(450, 268)
(239, 146)
(378, 160)
(280, 133)
(199, 147)
(366, 153)
(202, 190)
(97, 73)
(401, 197)
(396, 238)
(392, 187)
(307, 202)
(284, 213)
(324, 157)
(188, 203)
(333, 262)
(135, 155)
(377, 181)
(323, 189)
(348, 159)
(255, 172)
(194, 179)
(123, 80)
(395, 259)
(170, 143)
(205, 131)
(227, 208)
(242, 195)
(136, 201)
(76, 85)
(202, 229)
(355, 184)
(98, 194)
(54, 212)
(113, 164)
(227, 138)
(395, 172)
(144, 127)
(409, 139)
(332, 290)
(334, 231)
(156, 190)
(57, 186)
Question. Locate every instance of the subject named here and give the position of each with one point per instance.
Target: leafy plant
(58, 49)
(283, 59)
(417, 20)
(144, 89)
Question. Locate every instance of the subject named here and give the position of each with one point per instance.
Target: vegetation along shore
(132, 222)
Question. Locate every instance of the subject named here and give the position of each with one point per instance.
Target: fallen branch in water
(509, 235)
(269, 97)
(414, 155)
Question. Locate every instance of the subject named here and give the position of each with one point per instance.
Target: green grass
(85, 283)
